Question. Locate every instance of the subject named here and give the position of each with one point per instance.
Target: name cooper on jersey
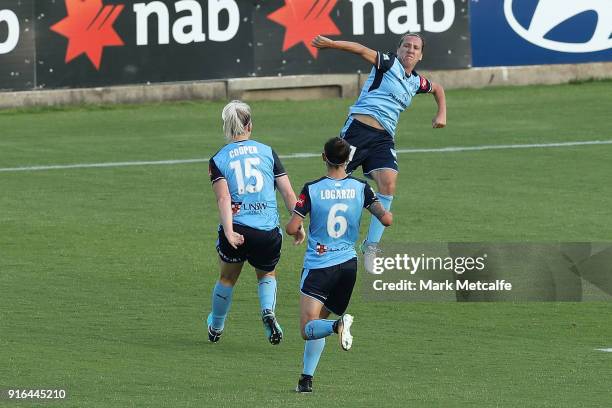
(242, 150)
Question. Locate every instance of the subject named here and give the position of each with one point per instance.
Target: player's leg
(358, 136)
(381, 166)
(312, 325)
(264, 254)
(338, 300)
(231, 261)
(266, 289)
(385, 182)
(222, 298)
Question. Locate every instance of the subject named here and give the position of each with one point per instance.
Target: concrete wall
(299, 87)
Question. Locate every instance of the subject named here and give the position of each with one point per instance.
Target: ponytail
(236, 117)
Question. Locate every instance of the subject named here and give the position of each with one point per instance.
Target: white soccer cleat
(344, 332)
(370, 253)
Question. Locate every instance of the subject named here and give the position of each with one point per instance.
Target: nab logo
(12, 38)
(89, 28)
(549, 14)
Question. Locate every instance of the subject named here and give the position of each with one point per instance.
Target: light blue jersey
(388, 91)
(335, 208)
(249, 167)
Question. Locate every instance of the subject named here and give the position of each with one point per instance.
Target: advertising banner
(528, 32)
(283, 30)
(85, 43)
(17, 64)
(108, 42)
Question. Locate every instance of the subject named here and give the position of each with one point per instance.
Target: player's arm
(385, 217)
(364, 52)
(439, 121)
(224, 202)
(284, 188)
(295, 228)
(282, 183)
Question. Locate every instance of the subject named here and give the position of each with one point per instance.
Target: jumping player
(244, 174)
(370, 127)
(335, 205)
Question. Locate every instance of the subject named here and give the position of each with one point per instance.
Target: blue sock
(221, 302)
(376, 228)
(312, 354)
(266, 289)
(318, 329)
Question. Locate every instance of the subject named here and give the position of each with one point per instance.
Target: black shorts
(372, 149)
(261, 249)
(332, 286)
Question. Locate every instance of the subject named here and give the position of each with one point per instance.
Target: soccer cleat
(370, 253)
(213, 334)
(304, 384)
(273, 330)
(344, 332)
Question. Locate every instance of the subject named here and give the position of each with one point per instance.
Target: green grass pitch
(106, 273)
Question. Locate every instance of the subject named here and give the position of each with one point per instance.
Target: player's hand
(234, 239)
(322, 42)
(299, 236)
(439, 121)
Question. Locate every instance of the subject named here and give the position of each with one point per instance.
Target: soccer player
(244, 174)
(370, 127)
(335, 205)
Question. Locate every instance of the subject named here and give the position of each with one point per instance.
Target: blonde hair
(236, 117)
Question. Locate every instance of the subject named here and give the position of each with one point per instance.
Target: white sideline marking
(308, 155)
(608, 350)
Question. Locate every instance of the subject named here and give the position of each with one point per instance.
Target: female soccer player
(330, 263)
(370, 127)
(244, 174)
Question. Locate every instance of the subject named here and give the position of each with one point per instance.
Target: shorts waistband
(371, 128)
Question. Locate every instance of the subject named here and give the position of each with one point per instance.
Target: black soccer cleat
(213, 334)
(273, 329)
(304, 384)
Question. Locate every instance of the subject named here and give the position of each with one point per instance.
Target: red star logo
(89, 28)
(305, 19)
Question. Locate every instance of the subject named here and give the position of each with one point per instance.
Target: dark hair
(337, 151)
(401, 41)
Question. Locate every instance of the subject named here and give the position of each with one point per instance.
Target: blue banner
(530, 32)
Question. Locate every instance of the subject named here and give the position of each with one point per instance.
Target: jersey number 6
(334, 220)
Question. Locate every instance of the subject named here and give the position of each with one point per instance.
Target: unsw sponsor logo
(238, 206)
(12, 39)
(549, 14)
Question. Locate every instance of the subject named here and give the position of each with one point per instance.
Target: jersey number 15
(250, 173)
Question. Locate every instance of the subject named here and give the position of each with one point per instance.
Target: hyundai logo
(551, 13)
